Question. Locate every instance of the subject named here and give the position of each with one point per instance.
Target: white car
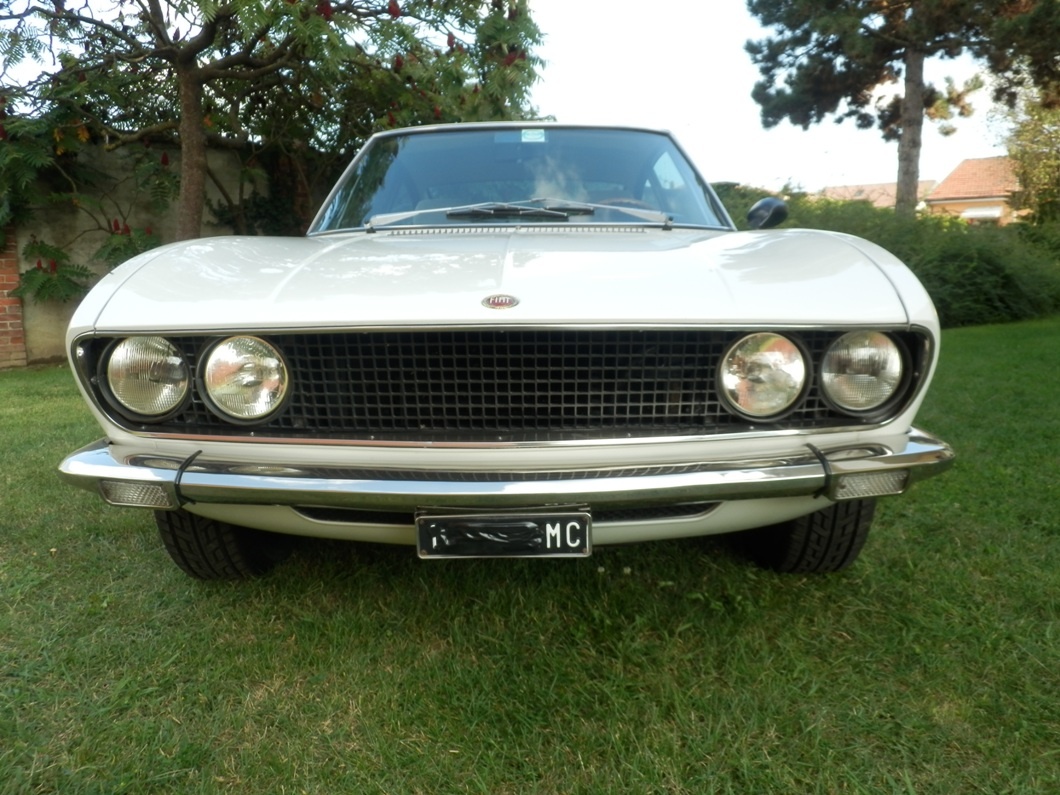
(510, 340)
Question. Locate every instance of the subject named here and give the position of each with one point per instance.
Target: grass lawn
(931, 666)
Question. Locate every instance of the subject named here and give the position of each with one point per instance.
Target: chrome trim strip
(802, 473)
(498, 445)
(661, 325)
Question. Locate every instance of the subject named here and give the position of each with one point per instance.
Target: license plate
(529, 535)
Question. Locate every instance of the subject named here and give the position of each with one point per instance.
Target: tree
(1034, 146)
(290, 75)
(832, 58)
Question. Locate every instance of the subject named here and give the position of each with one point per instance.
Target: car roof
(517, 125)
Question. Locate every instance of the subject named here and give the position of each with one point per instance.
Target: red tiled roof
(881, 194)
(979, 178)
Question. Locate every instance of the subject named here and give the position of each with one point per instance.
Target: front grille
(505, 385)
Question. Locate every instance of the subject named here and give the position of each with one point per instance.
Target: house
(881, 194)
(978, 190)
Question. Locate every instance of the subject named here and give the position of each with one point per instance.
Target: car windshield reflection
(519, 175)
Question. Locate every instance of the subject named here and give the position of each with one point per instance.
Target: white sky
(680, 65)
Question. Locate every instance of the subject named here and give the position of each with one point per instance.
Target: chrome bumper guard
(872, 470)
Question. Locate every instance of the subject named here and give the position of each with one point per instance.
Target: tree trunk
(911, 136)
(192, 196)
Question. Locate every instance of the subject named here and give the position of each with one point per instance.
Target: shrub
(979, 274)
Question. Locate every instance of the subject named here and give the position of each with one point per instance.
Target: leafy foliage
(54, 278)
(125, 243)
(1034, 146)
(309, 80)
(81, 182)
(827, 62)
(1020, 49)
(24, 153)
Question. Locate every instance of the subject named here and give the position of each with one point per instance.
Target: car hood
(627, 275)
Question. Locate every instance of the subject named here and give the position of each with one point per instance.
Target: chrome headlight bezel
(796, 366)
(220, 391)
(169, 367)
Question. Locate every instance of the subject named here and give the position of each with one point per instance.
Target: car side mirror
(767, 213)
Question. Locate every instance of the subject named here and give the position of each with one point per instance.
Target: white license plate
(504, 535)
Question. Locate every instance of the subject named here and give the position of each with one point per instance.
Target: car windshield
(516, 174)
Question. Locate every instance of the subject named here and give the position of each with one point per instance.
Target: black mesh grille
(509, 383)
(505, 385)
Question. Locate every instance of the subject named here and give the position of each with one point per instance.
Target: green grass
(931, 666)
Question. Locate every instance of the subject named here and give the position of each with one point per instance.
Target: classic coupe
(510, 340)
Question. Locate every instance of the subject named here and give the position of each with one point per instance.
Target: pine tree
(830, 58)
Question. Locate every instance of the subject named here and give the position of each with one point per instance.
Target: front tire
(824, 541)
(212, 550)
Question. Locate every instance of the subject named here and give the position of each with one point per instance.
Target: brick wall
(12, 335)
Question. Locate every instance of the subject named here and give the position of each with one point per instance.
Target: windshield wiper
(554, 208)
(484, 210)
(505, 210)
(588, 208)
(564, 206)
(557, 209)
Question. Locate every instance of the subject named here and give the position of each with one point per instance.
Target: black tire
(825, 541)
(211, 550)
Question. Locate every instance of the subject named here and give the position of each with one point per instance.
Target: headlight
(763, 375)
(147, 376)
(245, 378)
(861, 371)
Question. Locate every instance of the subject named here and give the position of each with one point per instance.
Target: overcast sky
(680, 65)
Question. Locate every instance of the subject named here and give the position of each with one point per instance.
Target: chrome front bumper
(153, 481)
